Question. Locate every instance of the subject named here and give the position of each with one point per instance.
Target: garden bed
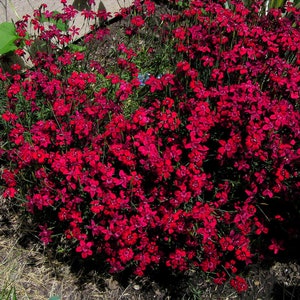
(210, 143)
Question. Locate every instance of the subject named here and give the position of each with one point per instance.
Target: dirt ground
(37, 274)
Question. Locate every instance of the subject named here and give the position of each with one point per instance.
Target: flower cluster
(196, 175)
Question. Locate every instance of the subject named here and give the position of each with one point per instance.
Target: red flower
(226, 244)
(260, 227)
(96, 207)
(180, 33)
(155, 84)
(9, 117)
(137, 21)
(220, 278)
(92, 187)
(13, 90)
(126, 254)
(282, 174)
(239, 284)
(196, 183)
(230, 265)
(183, 66)
(16, 134)
(61, 108)
(140, 117)
(9, 178)
(45, 234)
(276, 246)
(177, 260)
(229, 147)
(85, 248)
(243, 254)
(129, 237)
(9, 192)
(254, 140)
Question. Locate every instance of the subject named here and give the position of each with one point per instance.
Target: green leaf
(61, 25)
(6, 294)
(8, 36)
(297, 3)
(77, 48)
(14, 296)
(276, 3)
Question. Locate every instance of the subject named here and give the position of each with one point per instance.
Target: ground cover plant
(180, 152)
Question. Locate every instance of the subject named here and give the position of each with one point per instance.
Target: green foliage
(8, 293)
(183, 4)
(297, 3)
(276, 3)
(77, 48)
(8, 37)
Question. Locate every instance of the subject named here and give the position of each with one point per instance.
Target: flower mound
(188, 169)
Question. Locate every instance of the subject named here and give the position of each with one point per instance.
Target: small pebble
(137, 287)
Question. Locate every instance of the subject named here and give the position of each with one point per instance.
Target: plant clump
(183, 153)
